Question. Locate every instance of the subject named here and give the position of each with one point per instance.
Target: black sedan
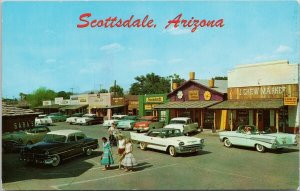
(57, 146)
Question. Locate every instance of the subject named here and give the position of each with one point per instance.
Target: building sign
(117, 101)
(133, 105)
(194, 95)
(207, 95)
(155, 99)
(82, 99)
(47, 103)
(263, 92)
(58, 100)
(65, 102)
(150, 106)
(290, 100)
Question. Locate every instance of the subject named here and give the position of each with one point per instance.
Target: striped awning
(249, 104)
(186, 105)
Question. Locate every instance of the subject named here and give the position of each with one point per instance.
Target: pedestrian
(121, 148)
(129, 161)
(112, 134)
(106, 158)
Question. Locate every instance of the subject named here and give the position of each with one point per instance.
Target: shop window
(243, 117)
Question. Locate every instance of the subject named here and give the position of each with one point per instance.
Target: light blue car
(127, 123)
(249, 136)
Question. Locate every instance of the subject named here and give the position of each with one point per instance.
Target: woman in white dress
(121, 148)
(129, 161)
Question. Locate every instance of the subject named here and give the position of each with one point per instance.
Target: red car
(148, 122)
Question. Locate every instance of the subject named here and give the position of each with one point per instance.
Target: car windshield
(50, 138)
(88, 115)
(77, 115)
(177, 122)
(172, 133)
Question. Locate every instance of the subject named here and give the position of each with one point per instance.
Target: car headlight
(181, 143)
(201, 141)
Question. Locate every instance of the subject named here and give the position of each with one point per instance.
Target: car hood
(186, 140)
(72, 118)
(43, 146)
(83, 118)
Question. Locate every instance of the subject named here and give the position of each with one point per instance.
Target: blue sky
(42, 46)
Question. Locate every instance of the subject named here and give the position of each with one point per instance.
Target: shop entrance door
(266, 119)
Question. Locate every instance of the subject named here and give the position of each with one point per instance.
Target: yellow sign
(193, 95)
(207, 95)
(290, 100)
(154, 99)
(148, 107)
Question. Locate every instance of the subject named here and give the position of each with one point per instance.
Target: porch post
(214, 127)
(277, 120)
(202, 118)
(256, 119)
(231, 120)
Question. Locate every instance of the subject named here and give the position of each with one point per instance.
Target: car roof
(180, 118)
(164, 129)
(64, 132)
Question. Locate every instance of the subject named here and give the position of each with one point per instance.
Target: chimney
(192, 75)
(211, 83)
(174, 86)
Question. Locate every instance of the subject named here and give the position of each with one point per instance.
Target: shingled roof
(10, 110)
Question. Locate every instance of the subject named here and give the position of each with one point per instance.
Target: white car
(89, 119)
(42, 120)
(73, 118)
(114, 119)
(169, 140)
(249, 136)
(184, 124)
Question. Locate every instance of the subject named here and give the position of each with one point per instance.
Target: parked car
(89, 119)
(249, 136)
(57, 117)
(114, 119)
(148, 122)
(184, 124)
(127, 122)
(73, 118)
(42, 120)
(169, 140)
(16, 140)
(57, 146)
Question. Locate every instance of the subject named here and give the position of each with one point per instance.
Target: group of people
(126, 159)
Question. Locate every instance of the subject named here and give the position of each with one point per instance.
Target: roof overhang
(249, 104)
(186, 105)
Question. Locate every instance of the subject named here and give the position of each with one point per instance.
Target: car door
(155, 140)
(72, 146)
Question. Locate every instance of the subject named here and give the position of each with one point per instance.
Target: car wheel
(29, 143)
(88, 152)
(172, 151)
(227, 143)
(138, 131)
(143, 146)
(56, 160)
(260, 148)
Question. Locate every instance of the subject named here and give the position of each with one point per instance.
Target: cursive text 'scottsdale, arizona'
(147, 22)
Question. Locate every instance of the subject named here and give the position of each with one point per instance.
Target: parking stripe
(119, 175)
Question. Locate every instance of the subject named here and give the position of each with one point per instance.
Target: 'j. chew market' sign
(262, 92)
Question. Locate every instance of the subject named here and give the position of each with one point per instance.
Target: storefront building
(263, 94)
(132, 104)
(192, 99)
(17, 119)
(147, 104)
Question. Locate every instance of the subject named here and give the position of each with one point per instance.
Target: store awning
(249, 104)
(106, 106)
(50, 107)
(186, 105)
(73, 107)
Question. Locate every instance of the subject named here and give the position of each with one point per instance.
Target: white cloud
(283, 49)
(175, 61)
(177, 31)
(113, 47)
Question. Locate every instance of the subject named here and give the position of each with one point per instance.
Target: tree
(37, 97)
(152, 84)
(176, 79)
(221, 78)
(118, 90)
(103, 91)
(65, 95)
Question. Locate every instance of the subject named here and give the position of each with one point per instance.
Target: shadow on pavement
(14, 170)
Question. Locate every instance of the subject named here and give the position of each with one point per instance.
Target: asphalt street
(216, 167)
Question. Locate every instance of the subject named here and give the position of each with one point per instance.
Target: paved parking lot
(216, 167)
